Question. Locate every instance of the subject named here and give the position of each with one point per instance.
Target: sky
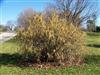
(10, 9)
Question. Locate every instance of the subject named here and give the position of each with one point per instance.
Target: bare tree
(75, 11)
(49, 8)
(10, 25)
(91, 23)
(24, 17)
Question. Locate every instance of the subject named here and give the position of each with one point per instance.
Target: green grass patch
(9, 57)
(11, 46)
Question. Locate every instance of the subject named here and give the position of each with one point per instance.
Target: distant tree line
(2, 28)
(98, 28)
(5, 28)
(91, 24)
(9, 26)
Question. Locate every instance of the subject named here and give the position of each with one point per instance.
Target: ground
(4, 36)
(9, 57)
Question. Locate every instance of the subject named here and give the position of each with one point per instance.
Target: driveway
(5, 36)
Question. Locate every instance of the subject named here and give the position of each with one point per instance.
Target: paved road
(6, 36)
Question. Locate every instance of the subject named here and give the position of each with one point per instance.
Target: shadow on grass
(94, 45)
(9, 59)
(95, 59)
(14, 59)
(93, 34)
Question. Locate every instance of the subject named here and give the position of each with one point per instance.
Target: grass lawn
(9, 57)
